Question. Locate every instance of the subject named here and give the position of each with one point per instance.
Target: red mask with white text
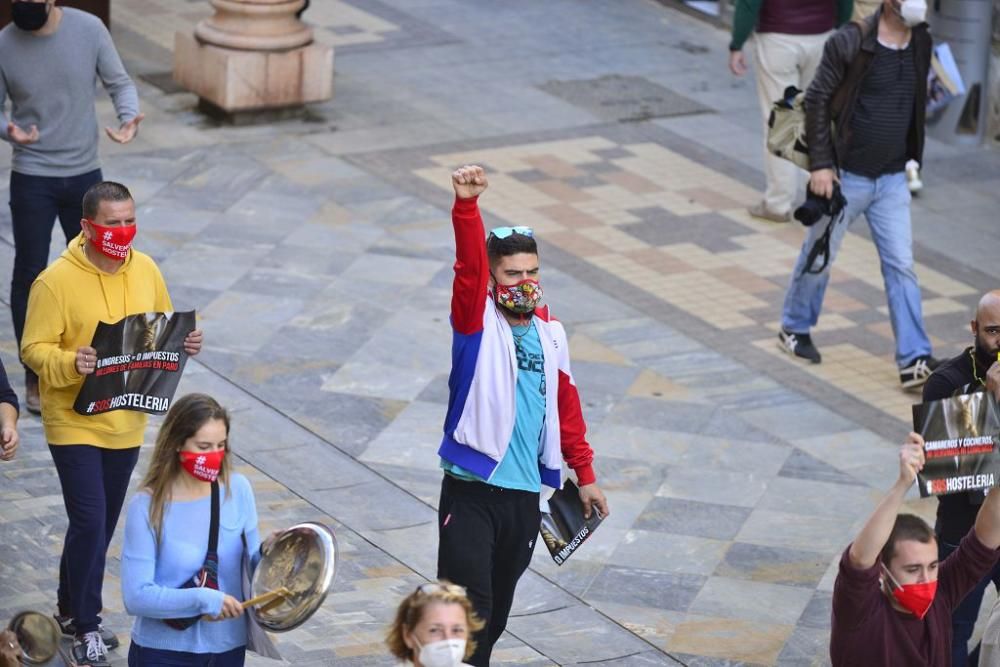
(113, 242)
(204, 466)
(915, 598)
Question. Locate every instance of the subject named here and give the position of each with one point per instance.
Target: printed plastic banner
(961, 444)
(139, 362)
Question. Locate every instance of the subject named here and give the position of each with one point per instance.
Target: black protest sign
(961, 443)
(563, 527)
(139, 362)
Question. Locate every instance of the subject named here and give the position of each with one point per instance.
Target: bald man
(975, 369)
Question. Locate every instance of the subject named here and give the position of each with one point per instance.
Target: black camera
(816, 206)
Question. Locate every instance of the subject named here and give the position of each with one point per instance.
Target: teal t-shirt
(519, 467)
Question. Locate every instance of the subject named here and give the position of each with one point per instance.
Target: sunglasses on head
(434, 587)
(504, 232)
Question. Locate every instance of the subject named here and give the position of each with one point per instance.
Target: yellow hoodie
(66, 302)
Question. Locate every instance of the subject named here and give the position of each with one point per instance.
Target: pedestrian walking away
(864, 121)
(513, 415)
(49, 59)
(788, 37)
(99, 277)
(188, 494)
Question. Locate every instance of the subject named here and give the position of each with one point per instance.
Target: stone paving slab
(318, 253)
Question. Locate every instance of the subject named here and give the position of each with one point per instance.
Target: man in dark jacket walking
(865, 119)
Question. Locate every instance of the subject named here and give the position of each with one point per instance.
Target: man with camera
(864, 121)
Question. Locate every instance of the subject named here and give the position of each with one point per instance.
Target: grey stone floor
(320, 263)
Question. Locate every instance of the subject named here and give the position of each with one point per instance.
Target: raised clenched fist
(469, 181)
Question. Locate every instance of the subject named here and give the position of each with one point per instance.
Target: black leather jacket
(833, 93)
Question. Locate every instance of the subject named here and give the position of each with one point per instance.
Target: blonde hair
(411, 610)
(188, 414)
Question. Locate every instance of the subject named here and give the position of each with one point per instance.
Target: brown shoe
(761, 211)
(32, 401)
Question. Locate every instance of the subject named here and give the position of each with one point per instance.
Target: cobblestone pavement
(318, 253)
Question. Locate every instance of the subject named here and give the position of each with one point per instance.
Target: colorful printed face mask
(521, 298)
(915, 598)
(204, 466)
(112, 242)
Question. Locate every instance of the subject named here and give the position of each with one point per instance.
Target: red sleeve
(468, 295)
(573, 432)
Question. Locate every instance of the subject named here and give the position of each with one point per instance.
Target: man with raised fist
(513, 415)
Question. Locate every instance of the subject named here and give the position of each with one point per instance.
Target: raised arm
(472, 270)
(869, 542)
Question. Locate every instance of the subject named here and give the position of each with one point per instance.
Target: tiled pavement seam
(307, 478)
(760, 357)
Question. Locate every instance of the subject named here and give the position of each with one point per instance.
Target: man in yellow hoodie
(99, 277)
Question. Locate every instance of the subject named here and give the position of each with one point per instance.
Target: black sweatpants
(486, 537)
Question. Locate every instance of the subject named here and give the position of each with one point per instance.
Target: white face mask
(444, 653)
(913, 12)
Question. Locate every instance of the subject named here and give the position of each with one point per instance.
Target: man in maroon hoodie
(893, 600)
(788, 46)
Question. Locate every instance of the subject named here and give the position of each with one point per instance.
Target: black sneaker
(69, 629)
(915, 375)
(89, 651)
(798, 345)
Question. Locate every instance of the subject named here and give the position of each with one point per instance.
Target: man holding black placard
(99, 277)
(975, 369)
(893, 599)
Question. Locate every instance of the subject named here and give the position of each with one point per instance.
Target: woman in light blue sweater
(166, 539)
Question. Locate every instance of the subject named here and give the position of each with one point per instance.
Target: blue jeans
(963, 618)
(885, 202)
(35, 203)
(157, 657)
(94, 482)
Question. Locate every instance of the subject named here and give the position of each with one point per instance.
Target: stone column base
(235, 80)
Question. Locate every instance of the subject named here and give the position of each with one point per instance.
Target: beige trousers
(863, 8)
(782, 61)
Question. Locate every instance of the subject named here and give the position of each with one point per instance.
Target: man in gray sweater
(50, 58)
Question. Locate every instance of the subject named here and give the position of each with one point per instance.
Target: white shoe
(913, 177)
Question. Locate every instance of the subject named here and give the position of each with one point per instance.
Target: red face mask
(204, 466)
(915, 598)
(112, 242)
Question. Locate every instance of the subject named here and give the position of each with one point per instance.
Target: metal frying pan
(303, 560)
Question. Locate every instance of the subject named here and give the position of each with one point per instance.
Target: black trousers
(94, 483)
(35, 203)
(486, 537)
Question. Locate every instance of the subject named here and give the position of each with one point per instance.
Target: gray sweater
(51, 81)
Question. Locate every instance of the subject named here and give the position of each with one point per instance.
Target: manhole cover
(624, 98)
(164, 81)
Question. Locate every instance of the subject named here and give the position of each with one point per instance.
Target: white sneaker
(913, 177)
(89, 651)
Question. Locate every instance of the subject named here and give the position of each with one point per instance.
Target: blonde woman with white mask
(433, 627)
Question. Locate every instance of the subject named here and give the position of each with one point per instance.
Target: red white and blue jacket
(481, 406)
